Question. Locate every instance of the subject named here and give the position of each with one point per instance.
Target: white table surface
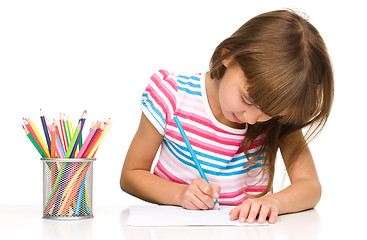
(23, 221)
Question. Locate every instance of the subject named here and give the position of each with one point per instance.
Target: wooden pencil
(45, 130)
(94, 140)
(39, 137)
(29, 128)
(87, 140)
(53, 140)
(63, 140)
(94, 149)
(35, 144)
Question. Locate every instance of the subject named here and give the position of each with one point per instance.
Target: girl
(267, 82)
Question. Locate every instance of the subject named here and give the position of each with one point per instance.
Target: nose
(252, 117)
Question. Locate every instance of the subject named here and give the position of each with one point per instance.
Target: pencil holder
(67, 188)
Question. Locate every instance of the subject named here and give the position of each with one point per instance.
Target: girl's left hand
(263, 207)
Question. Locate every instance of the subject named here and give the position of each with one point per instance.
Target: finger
(204, 186)
(255, 207)
(216, 190)
(273, 215)
(202, 201)
(190, 206)
(234, 213)
(245, 209)
(264, 211)
(205, 193)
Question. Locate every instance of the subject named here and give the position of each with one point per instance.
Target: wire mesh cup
(67, 188)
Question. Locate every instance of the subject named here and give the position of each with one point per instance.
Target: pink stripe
(200, 144)
(239, 192)
(237, 202)
(208, 123)
(170, 81)
(203, 121)
(168, 174)
(208, 135)
(157, 98)
(165, 91)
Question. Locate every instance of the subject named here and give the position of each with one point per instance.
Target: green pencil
(29, 135)
(73, 141)
(67, 132)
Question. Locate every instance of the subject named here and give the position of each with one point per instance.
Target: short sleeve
(159, 99)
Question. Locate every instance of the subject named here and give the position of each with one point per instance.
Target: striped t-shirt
(217, 146)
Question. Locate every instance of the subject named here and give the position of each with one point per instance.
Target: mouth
(236, 119)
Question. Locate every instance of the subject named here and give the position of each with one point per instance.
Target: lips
(236, 119)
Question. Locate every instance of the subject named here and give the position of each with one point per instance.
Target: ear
(227, 60)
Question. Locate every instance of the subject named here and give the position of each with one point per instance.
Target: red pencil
(62, 125)
(94, 140)
(58, 135)
(53, 140)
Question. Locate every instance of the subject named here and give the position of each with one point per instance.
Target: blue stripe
(189, 83)
(189, 91)
(191, 77)
(222, 160)
(170, 146)
(148, 101)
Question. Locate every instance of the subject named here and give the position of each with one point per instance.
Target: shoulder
(164, 78)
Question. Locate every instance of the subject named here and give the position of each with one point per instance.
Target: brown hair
(289, 75)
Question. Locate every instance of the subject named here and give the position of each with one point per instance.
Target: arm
(137, 180)
(305, 189)
(303, 193)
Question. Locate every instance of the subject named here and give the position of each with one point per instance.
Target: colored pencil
(39, 138)
(44, 125)
(193, 155)
(63, 140)
(28, 126)
(94, 140)
(73, 141)
(35, 144)
(53, 140)
(66, 125)
(68, 191)
(71, 193)
(87, 140)
(95, 147)
(59, 140)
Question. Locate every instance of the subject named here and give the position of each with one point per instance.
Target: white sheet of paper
(155, 215)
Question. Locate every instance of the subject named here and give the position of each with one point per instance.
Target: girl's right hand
(199, 195)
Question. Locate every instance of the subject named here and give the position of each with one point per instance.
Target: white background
(67, 56)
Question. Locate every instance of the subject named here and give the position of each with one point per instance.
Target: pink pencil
(87, 141)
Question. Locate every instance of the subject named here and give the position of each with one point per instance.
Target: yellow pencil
(39, 137)
(105, 131)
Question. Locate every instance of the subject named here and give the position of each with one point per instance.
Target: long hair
(289, 75)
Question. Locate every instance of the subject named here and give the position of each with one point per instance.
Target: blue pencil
(198, 166)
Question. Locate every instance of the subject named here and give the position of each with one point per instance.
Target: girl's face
(234, 99)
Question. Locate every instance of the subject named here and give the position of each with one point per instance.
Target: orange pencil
(53, 140)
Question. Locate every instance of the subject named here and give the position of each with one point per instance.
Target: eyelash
(244, 101)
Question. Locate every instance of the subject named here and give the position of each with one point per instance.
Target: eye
(246, 101)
